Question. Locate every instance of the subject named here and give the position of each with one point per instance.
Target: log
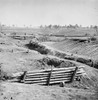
(73, 75)
(64, 71)
(34, 79)
(42, 79)
(49, 77)
(46, 75)
(36, 76)
(53, 75)
(48, 70)
(45, 78)
(62, 78)
(45, 81)
(56, 82)
(56, 69)
(43, 73)
(36, 82)
(58, 75)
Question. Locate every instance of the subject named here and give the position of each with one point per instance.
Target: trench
(47, 51)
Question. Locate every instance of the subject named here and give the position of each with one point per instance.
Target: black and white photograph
(48, 49)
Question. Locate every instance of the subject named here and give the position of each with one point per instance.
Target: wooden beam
(73, 75)
(23, 76)
(48, 70)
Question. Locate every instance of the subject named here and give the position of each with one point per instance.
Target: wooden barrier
(52, 76)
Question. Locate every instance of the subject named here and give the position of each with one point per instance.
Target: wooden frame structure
(52, 76)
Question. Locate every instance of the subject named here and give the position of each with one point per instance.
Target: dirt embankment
(57, 63)
(49, 51)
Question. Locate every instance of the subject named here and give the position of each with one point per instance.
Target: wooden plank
(33, 79)
(58, 75)
(45, 78)
(61, 76)
(46, 74)
(56, 82)
(48, 70)
(35, 74)
(36, 82)
(65, 71)
(53, 75)
(45, 81)
(41, 78)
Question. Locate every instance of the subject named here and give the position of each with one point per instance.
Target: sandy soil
(16, 91)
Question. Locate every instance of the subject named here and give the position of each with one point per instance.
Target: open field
(32, 49)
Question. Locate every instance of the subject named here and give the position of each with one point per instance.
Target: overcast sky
(45, 12)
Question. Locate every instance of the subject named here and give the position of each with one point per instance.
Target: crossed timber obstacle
(52, 76)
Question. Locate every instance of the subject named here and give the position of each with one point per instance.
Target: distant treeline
(68, 26)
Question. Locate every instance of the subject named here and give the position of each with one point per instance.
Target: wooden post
(48, 80)
(23, 76)
(74, 74)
